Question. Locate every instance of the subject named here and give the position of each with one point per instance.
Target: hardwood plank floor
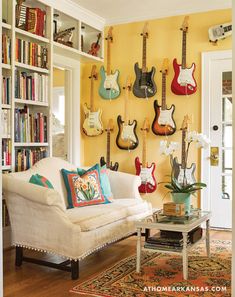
(32, 280)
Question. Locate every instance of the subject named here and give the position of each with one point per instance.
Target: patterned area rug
(161, 275)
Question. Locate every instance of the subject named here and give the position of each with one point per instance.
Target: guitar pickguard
(126, 138)
(186, 77)
(148, 181)
(166, 117)
(109, 87)
(182, 175)
(92, 125)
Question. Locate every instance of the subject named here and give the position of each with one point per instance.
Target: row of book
(5, 214)
(6, 122)
(31, 53)
(31, 86)
(6, 90)
(30, 127)
(6, 49)
(26, 158)
(6, 152)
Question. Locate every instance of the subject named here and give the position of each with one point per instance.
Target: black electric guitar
(144, 85)
(184, 174)
(109, 164)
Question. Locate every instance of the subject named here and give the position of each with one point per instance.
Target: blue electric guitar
(109, 87)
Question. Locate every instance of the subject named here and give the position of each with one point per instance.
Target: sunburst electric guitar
(144, 85)
(108, 163)
(127, 138)
(184, 174)
(92, 125)
(164, 123)
(184, 82)
(109, 87)
(146, 172)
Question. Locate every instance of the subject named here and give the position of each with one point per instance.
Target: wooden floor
(32, 280)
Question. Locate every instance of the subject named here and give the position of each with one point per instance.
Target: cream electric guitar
(92, 125)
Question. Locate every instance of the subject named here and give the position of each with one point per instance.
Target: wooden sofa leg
(19, 256)
(74, 269)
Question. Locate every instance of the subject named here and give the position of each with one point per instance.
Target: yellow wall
(164, 42)
(58, 77)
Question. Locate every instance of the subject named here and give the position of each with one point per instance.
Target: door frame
(206, 60)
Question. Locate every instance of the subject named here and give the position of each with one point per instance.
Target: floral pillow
(83, 190)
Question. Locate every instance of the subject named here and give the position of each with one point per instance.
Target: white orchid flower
(168, 148)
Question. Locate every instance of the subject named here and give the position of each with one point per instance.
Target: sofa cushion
(93, 217)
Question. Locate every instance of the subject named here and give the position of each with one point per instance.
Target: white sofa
(40, 219)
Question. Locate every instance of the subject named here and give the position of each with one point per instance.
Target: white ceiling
(124, 11)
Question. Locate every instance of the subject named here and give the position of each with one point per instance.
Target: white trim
(207, 58)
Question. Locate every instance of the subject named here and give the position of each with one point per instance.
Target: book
(6, 123)
(6, 49)
(6, 90)
(35, 21)
(6, 152)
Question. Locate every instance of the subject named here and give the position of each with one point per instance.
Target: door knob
(214, 156)
(215, 128)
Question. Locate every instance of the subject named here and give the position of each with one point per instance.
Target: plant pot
(183, 198)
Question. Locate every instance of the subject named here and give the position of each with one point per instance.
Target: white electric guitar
(220, 32)
(92, 125)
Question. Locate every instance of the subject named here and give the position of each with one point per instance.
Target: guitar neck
(184, 49)
(92, 95)
(163, 91)
(144, 152)
(108, 57)
(126, 115)
(144, 67)
(183, 156)
(108, 150)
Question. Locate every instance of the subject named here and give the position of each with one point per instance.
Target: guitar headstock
(184, 26)
(146, 125)
(99, 36)
(94, 74)
(186, 122)
(165, 66)
(110, 34)
(145, 32)
(128, 84)
(110, 126)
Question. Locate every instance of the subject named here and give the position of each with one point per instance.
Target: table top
(186, 224)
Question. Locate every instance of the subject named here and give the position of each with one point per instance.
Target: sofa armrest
(124, 185)
(32, 192)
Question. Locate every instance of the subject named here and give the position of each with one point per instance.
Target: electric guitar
(146, 173)
(109, 164)
(184, 174)
(92, 125)
(144, 85)
(164, 123)
(95, 47)
(220, 32)
(184, 82)
(109, 87)
(127, 138)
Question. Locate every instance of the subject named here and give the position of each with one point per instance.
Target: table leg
(138, 250)
(208, 238)
(185, 255)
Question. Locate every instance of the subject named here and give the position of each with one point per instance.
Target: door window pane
(227, 135)
(227, 157)
(227, 109)
(227, 82)
(226, 187)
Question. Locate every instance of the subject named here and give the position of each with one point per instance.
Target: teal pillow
(66, 175)
(104, 180)
(40, 181)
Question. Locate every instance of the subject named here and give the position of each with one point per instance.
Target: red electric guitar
(184, 82)
(95, 46)
(146, 173)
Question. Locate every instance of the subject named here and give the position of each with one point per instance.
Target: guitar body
(109, 87)
(92, 125)
(163, 123)
(144, 85)
(126, 138)
(184, 82)
(111, 166)
(148, 181)
(178, 172)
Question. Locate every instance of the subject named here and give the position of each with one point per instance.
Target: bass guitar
(92, 125)
(146, 172)
(164, 123)
(127, 138)
(184, 82)
(108, 163)
(109, 87)
(95, 47)
(183, 174)
(144, 85)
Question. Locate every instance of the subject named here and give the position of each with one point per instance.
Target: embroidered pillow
(104, 180)
(40, 181)
(83, 190)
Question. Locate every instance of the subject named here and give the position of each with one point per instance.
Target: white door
(217, 124)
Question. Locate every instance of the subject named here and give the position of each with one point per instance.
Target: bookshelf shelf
(31, 102)
(31, 35)
(30, 144)
(6, 106)
(6, 168)
(6, 26)
(6, 66)
(32, 68)
(6, 136)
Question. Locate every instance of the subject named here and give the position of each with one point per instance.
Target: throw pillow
(83, 190)
(40, 181)
(104, 180)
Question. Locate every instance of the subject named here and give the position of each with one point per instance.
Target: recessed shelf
(6, 66)
(25, 144)
(6, 26)
(31, 35)
(6, 106)
(32, 68)
(31, 102)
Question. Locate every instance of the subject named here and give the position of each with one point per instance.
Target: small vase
(183, 198)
